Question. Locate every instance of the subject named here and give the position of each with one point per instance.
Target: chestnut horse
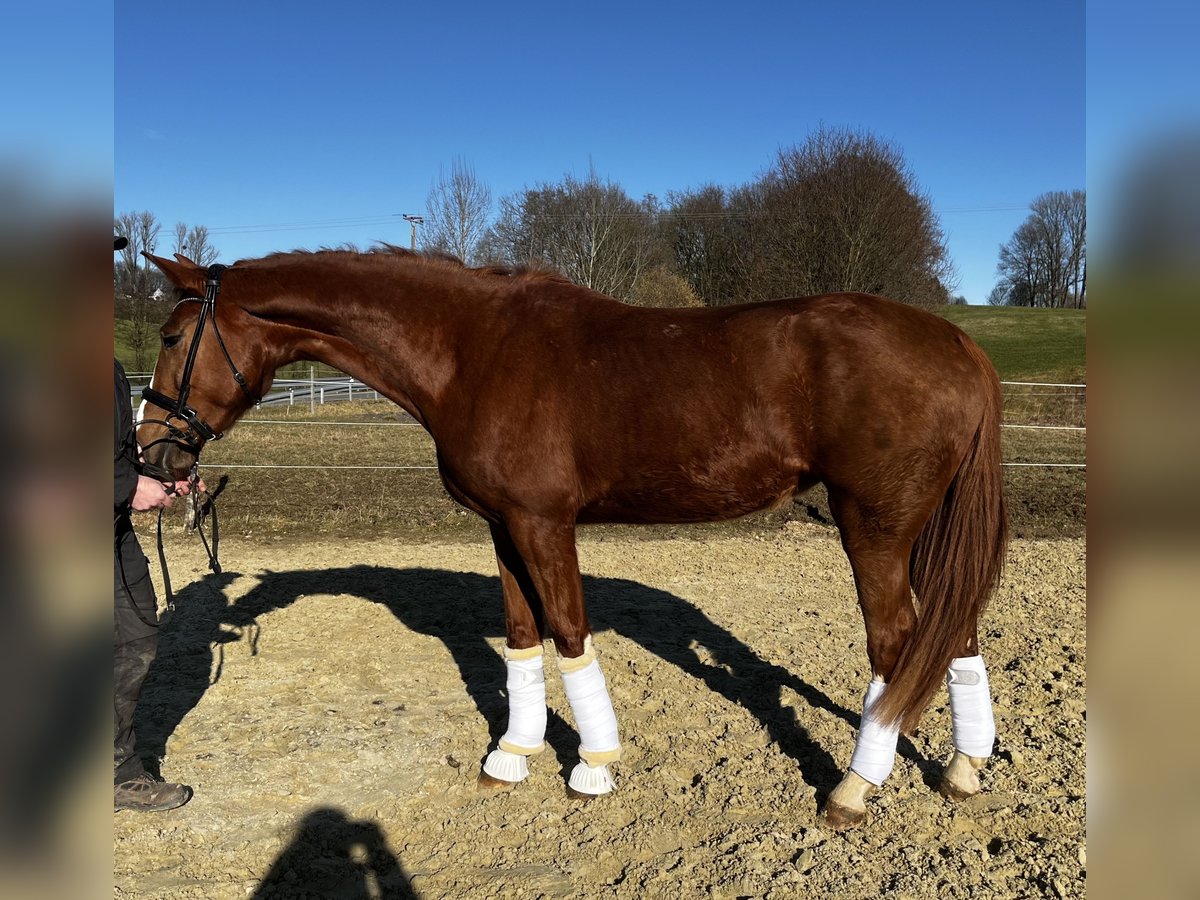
(552, 405)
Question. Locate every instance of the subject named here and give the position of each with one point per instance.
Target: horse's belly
(681, 496)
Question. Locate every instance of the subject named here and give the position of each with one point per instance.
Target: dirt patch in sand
(331, 704)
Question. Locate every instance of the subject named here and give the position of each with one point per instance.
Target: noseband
(197, 431)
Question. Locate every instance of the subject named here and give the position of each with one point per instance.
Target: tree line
(842, 211)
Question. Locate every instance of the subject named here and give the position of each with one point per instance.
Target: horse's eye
(171, 340)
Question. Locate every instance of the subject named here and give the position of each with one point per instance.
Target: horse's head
(210, 369)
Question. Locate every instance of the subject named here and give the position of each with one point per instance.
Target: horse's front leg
(547, 548)
(525, 681)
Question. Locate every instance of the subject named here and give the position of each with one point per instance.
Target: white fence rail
(1022, 400)
(290, 391)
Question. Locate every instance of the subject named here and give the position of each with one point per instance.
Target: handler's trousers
(135, 642)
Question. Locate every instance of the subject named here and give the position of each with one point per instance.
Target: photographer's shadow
(334, 856)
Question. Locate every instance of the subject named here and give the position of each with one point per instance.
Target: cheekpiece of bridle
(196, 430)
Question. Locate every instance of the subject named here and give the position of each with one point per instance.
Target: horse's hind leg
(879, 554)
(548, 550)
(525, 680)
(973, 724)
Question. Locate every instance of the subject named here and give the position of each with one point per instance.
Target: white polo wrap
(587, 693)
(875, 750)
(971, 714)
(526, 686)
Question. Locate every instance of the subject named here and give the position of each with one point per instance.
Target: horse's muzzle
(169, 457)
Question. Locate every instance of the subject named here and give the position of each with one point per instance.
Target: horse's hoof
(587, 782)
(847, 805)
(502, 770)
(489, 783)
(953, 792)
(839, 817)
(960, 779)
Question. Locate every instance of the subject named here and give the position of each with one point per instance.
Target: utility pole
(413, 221)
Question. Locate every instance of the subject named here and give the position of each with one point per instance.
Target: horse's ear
(181, 272)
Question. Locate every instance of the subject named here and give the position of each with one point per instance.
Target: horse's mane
(390, 254)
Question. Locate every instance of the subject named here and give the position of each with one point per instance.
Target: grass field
(410, 504)
(1028, 344)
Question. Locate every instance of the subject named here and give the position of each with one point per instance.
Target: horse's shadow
(462, 610)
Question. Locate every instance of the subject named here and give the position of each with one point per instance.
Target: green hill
(123, 348)
(1028, 344)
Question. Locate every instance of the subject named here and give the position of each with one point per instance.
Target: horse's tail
(955, 566)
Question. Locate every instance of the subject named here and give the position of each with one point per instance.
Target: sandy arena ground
(331, 704)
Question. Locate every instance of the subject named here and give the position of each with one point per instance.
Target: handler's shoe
(150, 794)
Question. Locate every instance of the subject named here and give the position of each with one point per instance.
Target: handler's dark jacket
(135, 611)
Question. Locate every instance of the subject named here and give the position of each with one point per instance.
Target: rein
(201, 506)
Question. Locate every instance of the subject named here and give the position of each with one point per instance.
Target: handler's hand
(183, 488)
(150, 494)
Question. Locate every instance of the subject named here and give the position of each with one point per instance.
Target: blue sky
(320, 125)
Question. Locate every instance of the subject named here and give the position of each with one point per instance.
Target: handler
(135, 610)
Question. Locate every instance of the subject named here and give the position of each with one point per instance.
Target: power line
(388, 219)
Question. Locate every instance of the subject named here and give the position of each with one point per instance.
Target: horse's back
(754, 403)
(690, 415)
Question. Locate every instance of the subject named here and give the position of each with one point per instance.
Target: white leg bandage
(591, 706)
(526, 686)
(875, 750)
(971, 707)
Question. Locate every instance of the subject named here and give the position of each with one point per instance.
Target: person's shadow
(462, 610)
(335, 858)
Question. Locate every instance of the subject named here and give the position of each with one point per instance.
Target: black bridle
(197, 431)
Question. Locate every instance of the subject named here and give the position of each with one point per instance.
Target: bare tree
(1044, 262)
(135, 282)
(590, 230)
(843, 212)
(456, 213)
(193, 243)
(140, 230)
(1024, 280)
(707, 232)
(1075, 216)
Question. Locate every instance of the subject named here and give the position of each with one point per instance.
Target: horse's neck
(401, 344)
